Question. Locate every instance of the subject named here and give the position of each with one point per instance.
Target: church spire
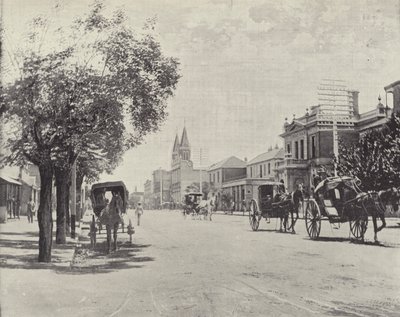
(184, 139)
(176, 144)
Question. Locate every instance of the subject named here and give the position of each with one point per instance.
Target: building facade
(182, 172)
(309, 140)
(225, 171)
(161, 184)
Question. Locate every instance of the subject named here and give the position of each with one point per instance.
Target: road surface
(179, 267)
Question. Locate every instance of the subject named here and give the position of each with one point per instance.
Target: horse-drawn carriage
(339, 200)
(108, 213)
(195, 205)
(273, 202)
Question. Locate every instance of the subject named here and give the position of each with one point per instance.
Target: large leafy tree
(96, 94)
(375, 158)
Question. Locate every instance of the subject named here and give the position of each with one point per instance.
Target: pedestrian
(30, 207)
(139, 212)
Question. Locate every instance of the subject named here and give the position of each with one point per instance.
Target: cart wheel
(253, 216)
(358, 226)
(313, 219)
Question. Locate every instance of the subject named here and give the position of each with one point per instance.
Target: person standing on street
(139, 212)
(30, 206)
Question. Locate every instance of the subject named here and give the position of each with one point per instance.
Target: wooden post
(73, 200)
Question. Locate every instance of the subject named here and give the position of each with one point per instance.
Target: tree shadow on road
(69, 259)
(353, 241)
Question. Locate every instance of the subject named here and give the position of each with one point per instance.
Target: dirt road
(180, 267)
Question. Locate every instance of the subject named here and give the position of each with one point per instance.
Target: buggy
(272, 202)
(103, 215)
(340, 200)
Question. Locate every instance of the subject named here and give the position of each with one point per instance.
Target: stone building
(161, 182)
(182, 172)
(228, 170)
(148, 202)
(308, 140)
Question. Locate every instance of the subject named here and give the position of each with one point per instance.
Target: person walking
(139, 212)
(30, 206)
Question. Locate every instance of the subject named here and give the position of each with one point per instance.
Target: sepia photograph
(199, 158)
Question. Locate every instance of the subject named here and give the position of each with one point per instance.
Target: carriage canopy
(334, 182)
(98, 195)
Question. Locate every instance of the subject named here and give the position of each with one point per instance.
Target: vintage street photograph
(199, 158)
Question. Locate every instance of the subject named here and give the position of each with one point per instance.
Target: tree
(80, 99)
(375, 158)
(195, 187)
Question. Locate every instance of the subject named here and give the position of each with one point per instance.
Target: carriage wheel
(253, 216)
(313, 219)
(358, 226)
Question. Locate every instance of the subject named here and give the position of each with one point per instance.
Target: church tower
(184, 148)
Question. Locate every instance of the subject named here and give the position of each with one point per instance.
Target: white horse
(205, 209)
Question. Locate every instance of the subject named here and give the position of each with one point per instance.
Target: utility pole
(200, 157)
(161, 188)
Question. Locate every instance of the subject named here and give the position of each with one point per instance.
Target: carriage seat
(330, 208)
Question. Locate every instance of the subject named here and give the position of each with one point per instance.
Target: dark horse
(285, 204)
(377, 206)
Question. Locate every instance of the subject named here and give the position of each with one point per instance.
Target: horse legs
(108, 229)
(115, 235)
(294, 220)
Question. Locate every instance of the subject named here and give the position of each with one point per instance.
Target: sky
(245, 66)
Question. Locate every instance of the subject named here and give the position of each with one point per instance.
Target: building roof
(176, 144)
(230, 162)
(184, 139)
(10, 180)
(273, 154)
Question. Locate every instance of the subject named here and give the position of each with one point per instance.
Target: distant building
(230, 169)
(264, 166)
(20, 184)
(308, 140)
(161, 182)
(148, 195)
(394, 89)
(182, 172)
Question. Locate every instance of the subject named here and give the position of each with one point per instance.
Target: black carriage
(272, 202)
(100, 202)
(191, 203)
(339, 200)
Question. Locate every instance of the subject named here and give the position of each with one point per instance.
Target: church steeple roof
(176, 144)
(184, 139)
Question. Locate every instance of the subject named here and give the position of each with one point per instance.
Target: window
(210, 178)
(260, 171)
(265, 171)
(302, 149)
(296, 150)
(251, 171)
(313, 146)
(269, 168)
(217, 177)
(288, 148)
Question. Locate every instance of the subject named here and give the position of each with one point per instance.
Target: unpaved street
(179, 267)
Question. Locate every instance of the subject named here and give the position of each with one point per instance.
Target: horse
(378, 200)
(204, 208)
(111, 218)
(288, 204)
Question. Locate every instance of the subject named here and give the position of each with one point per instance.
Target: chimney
(354, 95)
(394, 89)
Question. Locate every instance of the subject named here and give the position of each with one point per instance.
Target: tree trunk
(79, 182)
(45, 219)
(62, 183)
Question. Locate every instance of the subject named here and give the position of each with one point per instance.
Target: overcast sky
(246, 65)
